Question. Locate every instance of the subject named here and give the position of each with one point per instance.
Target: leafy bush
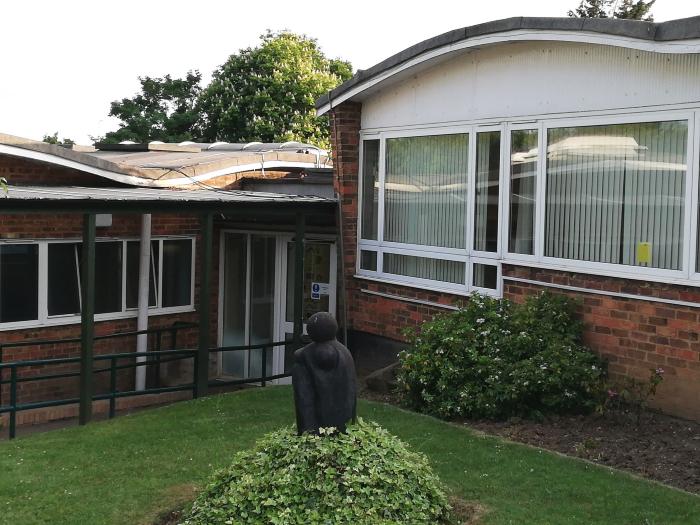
(364, 477)
(494, 359)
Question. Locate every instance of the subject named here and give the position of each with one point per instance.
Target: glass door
(248, 317)
(320, 280)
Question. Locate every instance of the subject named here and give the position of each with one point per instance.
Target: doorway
(256, 297)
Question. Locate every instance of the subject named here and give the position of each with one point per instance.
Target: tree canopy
(164, 109)
(264, 93)
(623, 9)
(267, 93)
(53, 139)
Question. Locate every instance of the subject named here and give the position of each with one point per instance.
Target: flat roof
(684, 29)
(21, 199)
(167, 165)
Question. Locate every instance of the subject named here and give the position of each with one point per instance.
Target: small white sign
(319, 289)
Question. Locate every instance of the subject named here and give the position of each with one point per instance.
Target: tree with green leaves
(164, 109)
(623, 9)
(267, 93)
(53, 139)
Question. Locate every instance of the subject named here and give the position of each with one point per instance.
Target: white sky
(64, 62)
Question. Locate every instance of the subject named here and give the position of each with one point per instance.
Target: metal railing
(263, 365)
(152, 358)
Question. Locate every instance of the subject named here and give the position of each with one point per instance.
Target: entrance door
(248, 302)
(257, 297)
(320, 281)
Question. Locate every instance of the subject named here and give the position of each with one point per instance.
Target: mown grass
(131, 469)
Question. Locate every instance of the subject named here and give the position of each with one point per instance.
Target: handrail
(38, 342)
(114, 394)
(101, 357)
(249, 347)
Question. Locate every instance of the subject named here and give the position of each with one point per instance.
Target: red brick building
(529, 154)
(161, 192)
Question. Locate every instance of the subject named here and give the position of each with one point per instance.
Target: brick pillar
(345, 140)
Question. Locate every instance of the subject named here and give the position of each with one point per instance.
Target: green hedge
(364, 477)
(495, 359)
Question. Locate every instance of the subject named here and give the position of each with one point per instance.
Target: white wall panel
(534, 78)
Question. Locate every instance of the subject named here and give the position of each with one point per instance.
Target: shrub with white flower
(495, 359)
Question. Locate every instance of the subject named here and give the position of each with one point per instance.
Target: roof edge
(661, 32)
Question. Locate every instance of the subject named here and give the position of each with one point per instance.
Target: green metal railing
(153, 358)
(262, 379)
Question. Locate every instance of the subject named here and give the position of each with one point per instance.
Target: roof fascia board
(232, 170)
(141, 181)
(243, 209)
(68, 163)
(525, 35)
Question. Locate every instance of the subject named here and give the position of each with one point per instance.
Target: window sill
(75, 319)
(431, 287)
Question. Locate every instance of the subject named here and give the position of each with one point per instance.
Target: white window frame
(620, 270)
(44, 319)
(505, 203)
(380, 246)
(688, 275)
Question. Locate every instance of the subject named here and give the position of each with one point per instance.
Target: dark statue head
(323, 376)
(322, 327)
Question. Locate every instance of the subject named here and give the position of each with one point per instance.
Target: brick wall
(65, 226)
(44, 226)
(634, 335)
(26, 171)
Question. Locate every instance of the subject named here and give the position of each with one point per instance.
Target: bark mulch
(659, 447)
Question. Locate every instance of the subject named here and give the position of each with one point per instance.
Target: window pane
(368, 260)
(488, 162)
(262, 301)
(523, 176)
(234, 297)
(317, 264)
(615, 194)
(108, 277)
(485, 276)
(19, 282)
(132, 274)
(64, 290)
(424, 268)
(370, 188)
(177, 272)
(426, 190)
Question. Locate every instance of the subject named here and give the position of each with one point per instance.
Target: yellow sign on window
(643, 253)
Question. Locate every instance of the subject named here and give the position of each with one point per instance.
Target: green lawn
(128, 470)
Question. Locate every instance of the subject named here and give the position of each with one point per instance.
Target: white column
(142, 320)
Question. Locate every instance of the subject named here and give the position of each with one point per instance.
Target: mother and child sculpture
(323, 378)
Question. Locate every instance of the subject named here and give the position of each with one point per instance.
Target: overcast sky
(64, 62)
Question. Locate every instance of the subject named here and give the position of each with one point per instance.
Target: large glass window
(616, 194)
(370, 189)
(425, 190)
(58, 264)
(605, 197)
(19, 277)
(523, 185)
(488, 168)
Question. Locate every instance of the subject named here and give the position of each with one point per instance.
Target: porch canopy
(237, 205)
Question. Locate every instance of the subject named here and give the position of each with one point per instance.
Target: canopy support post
(87, 318)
